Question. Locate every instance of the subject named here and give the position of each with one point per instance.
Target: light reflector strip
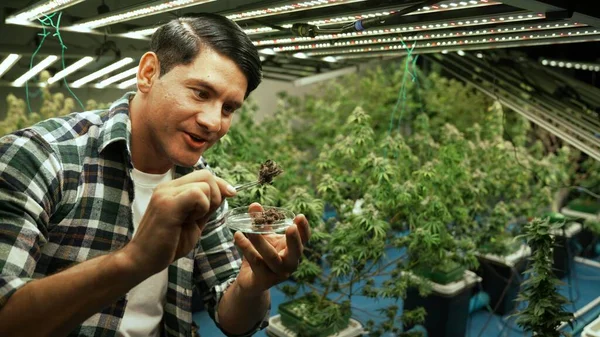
(411, 28)
(45, 63)
(39, 9)
(571, 64)
(135, 13)
(70, 69)
(288, 8)
(101, 72)
(117, 77)
(8, 62)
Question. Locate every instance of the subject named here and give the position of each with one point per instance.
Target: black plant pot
(565, 249)
(447, 306)
(502, 278)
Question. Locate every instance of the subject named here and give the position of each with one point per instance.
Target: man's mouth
(197, 138)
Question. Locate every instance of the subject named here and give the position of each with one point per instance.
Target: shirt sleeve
(29, 188)
(217, 265)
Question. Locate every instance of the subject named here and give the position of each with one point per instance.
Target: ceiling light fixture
(571, 64)
(117, 77)
(292, 6)
(35, 11)
(403, 29)
(458, 43)
(136, 12)
(101, 72)
(70, 69)
(8, 62)
(424, 36)
(45, 63)
(353, 18)
(128, 83)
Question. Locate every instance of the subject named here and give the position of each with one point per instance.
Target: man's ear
(148, 71)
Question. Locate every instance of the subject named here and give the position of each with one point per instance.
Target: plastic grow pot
(447, 306)
(277, 329)
(592, 329)
(294, 318)
(565, 249)
(496, 272)
(452, 273)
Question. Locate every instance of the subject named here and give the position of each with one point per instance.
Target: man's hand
(270, 259)
(174, 219)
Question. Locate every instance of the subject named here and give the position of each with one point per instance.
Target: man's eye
(202, 94)
(228, 109)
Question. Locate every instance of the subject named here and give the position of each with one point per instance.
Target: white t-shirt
(145, 303)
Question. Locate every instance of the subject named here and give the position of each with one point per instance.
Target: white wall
(265, 95)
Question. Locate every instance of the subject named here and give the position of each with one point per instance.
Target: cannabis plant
(18, 115)
(348, 251)
(545, 310)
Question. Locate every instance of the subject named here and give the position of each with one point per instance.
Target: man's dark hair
(179, 41)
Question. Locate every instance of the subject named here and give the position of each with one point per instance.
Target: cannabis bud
(268, 171)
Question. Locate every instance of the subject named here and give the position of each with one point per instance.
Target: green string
(63, 47)
(48, 22)
(402, 94)
(44, 34)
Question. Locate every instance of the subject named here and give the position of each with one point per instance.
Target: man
(106, 217)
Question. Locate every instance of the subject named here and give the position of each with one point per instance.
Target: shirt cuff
(221, 289)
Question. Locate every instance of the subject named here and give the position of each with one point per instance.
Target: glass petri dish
(274, 220)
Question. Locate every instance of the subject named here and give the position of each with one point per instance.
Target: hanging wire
(63, 47)
(47, 21)
(402, 93)
(44, 35)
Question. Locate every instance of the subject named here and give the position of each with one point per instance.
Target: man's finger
(303, 227)
(255, 207)
(250, 253)
(226, 189)
(294, 248)
(193, 177)
(267, 252)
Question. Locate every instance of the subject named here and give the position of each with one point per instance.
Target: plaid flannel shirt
(65, 197)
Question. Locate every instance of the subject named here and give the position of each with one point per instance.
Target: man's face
(191, 107)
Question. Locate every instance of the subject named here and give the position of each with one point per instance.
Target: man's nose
(210, 118)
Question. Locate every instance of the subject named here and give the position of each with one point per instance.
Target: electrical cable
(502, 295)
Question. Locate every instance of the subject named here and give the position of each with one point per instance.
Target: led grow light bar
(135, 13)
(8, 62)
(45, 63)
(39, 9)
(424, 10)
(101, 72)
(292, 6)
(433, 25)
(352, 18)
(571, 64)
(461, 42)
(426, 36)
(117, 77)
(70, 69)
(128, 83)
